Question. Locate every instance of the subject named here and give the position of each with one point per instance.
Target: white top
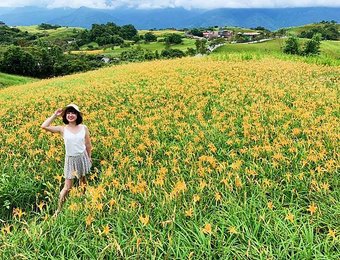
(74, 143)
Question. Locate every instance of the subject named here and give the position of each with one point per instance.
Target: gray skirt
(77, 166)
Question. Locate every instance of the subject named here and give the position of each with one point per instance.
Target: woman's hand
(59, 112)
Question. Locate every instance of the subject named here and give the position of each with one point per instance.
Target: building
(210, 34)
(2, 23)
(105, 60)
(249, 35)
(225, 34)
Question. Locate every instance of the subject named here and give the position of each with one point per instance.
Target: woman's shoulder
(85, 127)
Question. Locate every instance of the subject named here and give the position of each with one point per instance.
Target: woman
(77, 146)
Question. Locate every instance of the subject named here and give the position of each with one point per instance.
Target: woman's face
(71, 116)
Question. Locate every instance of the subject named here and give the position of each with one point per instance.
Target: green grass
(153, 46)
(261, 134)
(298, 29)
(331, 49)
(86, 46)
(268, 47)
(329, 52)
(9, 80)
(160, 33)
(62, 33)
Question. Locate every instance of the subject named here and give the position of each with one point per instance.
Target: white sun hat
(74, 106)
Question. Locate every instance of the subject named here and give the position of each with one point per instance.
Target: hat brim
(65, 108)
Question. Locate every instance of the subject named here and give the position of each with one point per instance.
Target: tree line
(42, 59)
(328, 30)
(29, 55)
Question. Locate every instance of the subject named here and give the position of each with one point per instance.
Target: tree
(281, 32)
(46, 26)
(47, 56)
(150, 37)
(173, 38)
(172, 53)
(20, 62)
(328, 31)
(291, 46)
(190, 52)
(201, 46)
(136, 38)
(127, 32)
(197, 32)
(312, 46)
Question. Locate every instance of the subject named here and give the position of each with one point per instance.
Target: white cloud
(205, 4)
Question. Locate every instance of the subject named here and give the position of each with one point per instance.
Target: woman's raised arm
(54, 129)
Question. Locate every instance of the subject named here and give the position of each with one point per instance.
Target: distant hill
(271, 18)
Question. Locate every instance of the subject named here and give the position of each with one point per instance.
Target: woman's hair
(71, 109)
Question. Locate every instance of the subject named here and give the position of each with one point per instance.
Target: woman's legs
(63, 194)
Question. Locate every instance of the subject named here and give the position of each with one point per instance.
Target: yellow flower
(99, 206)
(196, 198)
(159, 180)
(144, 220)
(112, 202)
(58, 178)
(270, 205)
(6, 229)
(236, 165)
(331, 233)
(207, 229)
(312, 208)
(73, 206)
(232, 230)
(290, 217)
(189, 213)
(41, 205)
(106, 230)
(88, 220)
(238, 182)
(17, 212)
(179, 187)
(296, 131)
(203, 184)
(218, 196)
(325, 186)
(288, 176)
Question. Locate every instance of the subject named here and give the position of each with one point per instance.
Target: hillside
(193, 158)
(271, 18)
(329, 50)
(9, 80)
(59, 34)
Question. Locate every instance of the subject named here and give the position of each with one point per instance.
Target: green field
(153, 46)
(298, 29)
(9, 80)
(160, 33)
(268, 47)
(331, 49)
(62, 33)
(193, 158)
(329, 52)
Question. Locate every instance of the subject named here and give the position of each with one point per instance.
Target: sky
(188, 4)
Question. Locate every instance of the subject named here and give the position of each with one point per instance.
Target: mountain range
(271, 18)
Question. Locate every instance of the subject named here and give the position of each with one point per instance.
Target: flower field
(193, 158)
